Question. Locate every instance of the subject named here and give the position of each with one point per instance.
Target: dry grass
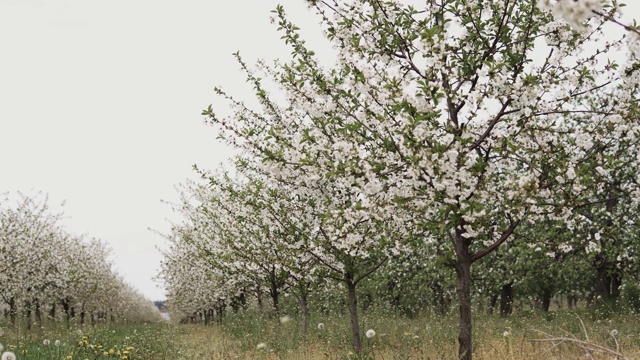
(565, 337)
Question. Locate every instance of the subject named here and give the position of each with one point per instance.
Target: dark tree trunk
(602, 286)
(353, 314)
(546, 300)
(441, 300)
(259, 296)
(82, 314)
(506, 300)
(38, 312)
(304, 309)
(273, 291)
(463, 290)
(219, 314)
(27, 313)
(616, 283)
(493, 300)
(67, 312)
(52, 313)
(12, 310)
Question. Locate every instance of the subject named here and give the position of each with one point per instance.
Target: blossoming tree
(458, 122)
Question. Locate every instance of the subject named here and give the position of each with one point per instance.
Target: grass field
(125, 342)
(559, 335)
(566, 335)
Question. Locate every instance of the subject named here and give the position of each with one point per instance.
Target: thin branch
(609, 18)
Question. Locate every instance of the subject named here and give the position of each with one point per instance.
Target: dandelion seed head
(8, 355)
(370, 333)
(320, 326)
(261, 346)
(285, 319)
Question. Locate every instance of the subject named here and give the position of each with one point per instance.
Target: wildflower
(613, 333)
(8, 355)
(506, 334)
(46, 342)
(57, 343)
(285, 319)
(320, 326)
(370, 333)
(261, 346)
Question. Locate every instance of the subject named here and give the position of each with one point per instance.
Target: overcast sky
(100, 106)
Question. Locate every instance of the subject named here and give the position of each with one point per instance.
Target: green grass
(527, 335)
(117, 341)
(522, 336)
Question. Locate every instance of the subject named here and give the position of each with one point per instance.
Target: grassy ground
(125, 342)
(559, 335)
(566, 335)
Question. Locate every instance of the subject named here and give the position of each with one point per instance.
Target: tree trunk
(506, 300)
(82, 314)
(546, 300)
(38, 313)
(616, 283)
(304, 308)
(27, 314)
(273, 291)
(463, 290)
(493, 300)
(67, 312)
(259, 296)
(12, 311)
(52, 313)
(572, 300)
(441, 300)
(353, 313)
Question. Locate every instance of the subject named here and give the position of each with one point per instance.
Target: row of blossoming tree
(443, 133)
(49, 275)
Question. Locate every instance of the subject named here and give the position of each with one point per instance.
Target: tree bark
(493, 300)
(546, 300)
(67, 315)
(506, 300)
(353, 313)
(27, 313)
(12, 311)
(38, 313)
(463, 290)
(259, 296)
(52, 313)
(273, 291)
(304, 308)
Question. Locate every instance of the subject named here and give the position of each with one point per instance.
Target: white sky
(100, 106)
